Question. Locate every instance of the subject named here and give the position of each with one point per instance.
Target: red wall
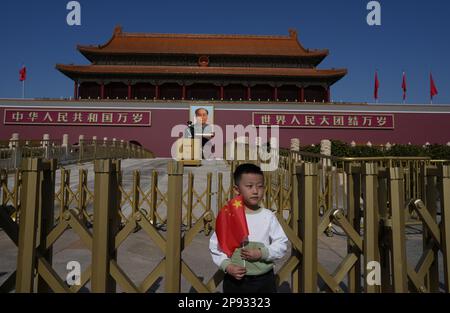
(417, 128)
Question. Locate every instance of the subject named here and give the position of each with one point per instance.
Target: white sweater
(264, 228)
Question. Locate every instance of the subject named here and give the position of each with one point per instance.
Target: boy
(250, 268)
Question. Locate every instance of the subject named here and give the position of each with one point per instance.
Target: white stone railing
(12, 151)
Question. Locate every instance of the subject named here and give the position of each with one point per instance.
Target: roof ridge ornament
(293, 33)
(117, 30)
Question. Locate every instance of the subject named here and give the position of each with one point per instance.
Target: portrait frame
(210, 112)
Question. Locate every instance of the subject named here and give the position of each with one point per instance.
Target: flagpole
(433, 89)
(404, 86)
(376, 86)
(22, 78)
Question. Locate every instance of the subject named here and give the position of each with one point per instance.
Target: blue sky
(414, 37)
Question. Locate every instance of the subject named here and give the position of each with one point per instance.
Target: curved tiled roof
(198, 70)
(198, 44)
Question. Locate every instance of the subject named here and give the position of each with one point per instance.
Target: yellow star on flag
(237, 204)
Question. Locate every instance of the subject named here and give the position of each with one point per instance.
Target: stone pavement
(138, 255)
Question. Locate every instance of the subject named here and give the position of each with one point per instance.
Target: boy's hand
(251, 254)
(236, 271)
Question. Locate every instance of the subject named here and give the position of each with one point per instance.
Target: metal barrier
(374, 225)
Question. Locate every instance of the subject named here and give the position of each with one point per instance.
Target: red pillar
(275, 93)
(157, 91)
(129, 91)
(102, 91)
(221, 92)
(249, 93)
(328, 94)
(75, 90)
(302, 94)
(183, 96)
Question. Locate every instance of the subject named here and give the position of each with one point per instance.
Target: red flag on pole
(231, 226)
(377, 85)
(433, 89)
(23, 73)
(404, 86)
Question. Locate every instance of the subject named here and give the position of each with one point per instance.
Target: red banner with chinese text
(63, 117)
(324, 120)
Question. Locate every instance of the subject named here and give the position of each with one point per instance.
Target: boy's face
(251, 187)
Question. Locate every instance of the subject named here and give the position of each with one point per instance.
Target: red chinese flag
(404, 85)
(377, 85)
(231, 226)
(433, 89)
(23, 74)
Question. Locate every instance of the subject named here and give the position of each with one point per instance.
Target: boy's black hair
(246, 168)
